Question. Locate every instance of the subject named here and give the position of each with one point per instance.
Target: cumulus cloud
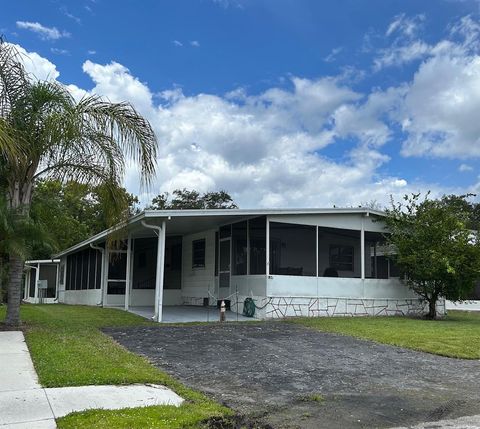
(45, 33)
(266, 149)
(195, 43)
(37, 66)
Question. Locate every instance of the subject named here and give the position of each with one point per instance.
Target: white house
(309, 262)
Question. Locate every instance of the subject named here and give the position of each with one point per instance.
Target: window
(293, 249)
(258, 243)
(198, 253)
(341, 257)
(239, 248)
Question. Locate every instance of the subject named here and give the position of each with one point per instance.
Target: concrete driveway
(281, 375)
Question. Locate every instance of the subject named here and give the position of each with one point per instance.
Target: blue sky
(280, 102)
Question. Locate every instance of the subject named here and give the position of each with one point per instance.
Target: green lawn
(68, 349)
(458, 335)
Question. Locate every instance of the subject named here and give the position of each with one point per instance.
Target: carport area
(287, 376)
(188, 313)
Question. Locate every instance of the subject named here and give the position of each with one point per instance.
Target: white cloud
(195, 43)
(91, 52)
(59, 51)
(45, 33)
(36, 65)
(441, 108)
(177, 43)
(332, 56)
(406, 26)
(464, 168)
(265, 149)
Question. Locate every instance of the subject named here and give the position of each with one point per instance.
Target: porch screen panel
(49, 273)
(33, 275)
(239, 248)
(92, 259)
(98, 270)
(293, 249)
(68, 281)
(258, 245)
(144, 263)
(85, 269)
(117, 271)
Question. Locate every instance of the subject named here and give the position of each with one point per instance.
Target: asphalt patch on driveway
(281, 375)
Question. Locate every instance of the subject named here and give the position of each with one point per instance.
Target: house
(305, 262)
(41, 280)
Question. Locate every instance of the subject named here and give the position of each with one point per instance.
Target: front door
(224, 268)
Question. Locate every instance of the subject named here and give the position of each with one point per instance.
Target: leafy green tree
(72, 212)
(435, 247)
(183, 199)
(45, 133)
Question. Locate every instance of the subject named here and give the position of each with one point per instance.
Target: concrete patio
(188, 314)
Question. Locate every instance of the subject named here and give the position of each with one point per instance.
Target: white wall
(197, 281)
(337, 287)
(83, 297)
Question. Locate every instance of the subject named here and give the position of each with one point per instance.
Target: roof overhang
(180, 222)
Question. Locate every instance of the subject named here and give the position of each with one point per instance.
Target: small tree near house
(435, 247)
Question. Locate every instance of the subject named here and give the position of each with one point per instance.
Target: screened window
(98, 274)
(341, 257)
(85, 268)
(293, 249)
(91, 268)
(198, 253)
(239, 248)
(258, 243)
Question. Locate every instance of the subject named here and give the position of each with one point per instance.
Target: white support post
(316, 251)
(160, 268)
(160, 271)
(267, 247)
(27, 283)
(128, 272)
(37, 278)
(362, 251)
(103, 285)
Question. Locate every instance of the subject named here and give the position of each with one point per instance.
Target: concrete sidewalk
(25, 404)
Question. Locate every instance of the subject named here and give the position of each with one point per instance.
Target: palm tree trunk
(14, 290)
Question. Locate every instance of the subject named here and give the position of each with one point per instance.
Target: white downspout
(160, 268)
(37, 278)
(103, 287)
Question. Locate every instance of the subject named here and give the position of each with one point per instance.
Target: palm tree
(45, 133)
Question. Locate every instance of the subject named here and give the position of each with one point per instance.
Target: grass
(68, 349)
(458, 335)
